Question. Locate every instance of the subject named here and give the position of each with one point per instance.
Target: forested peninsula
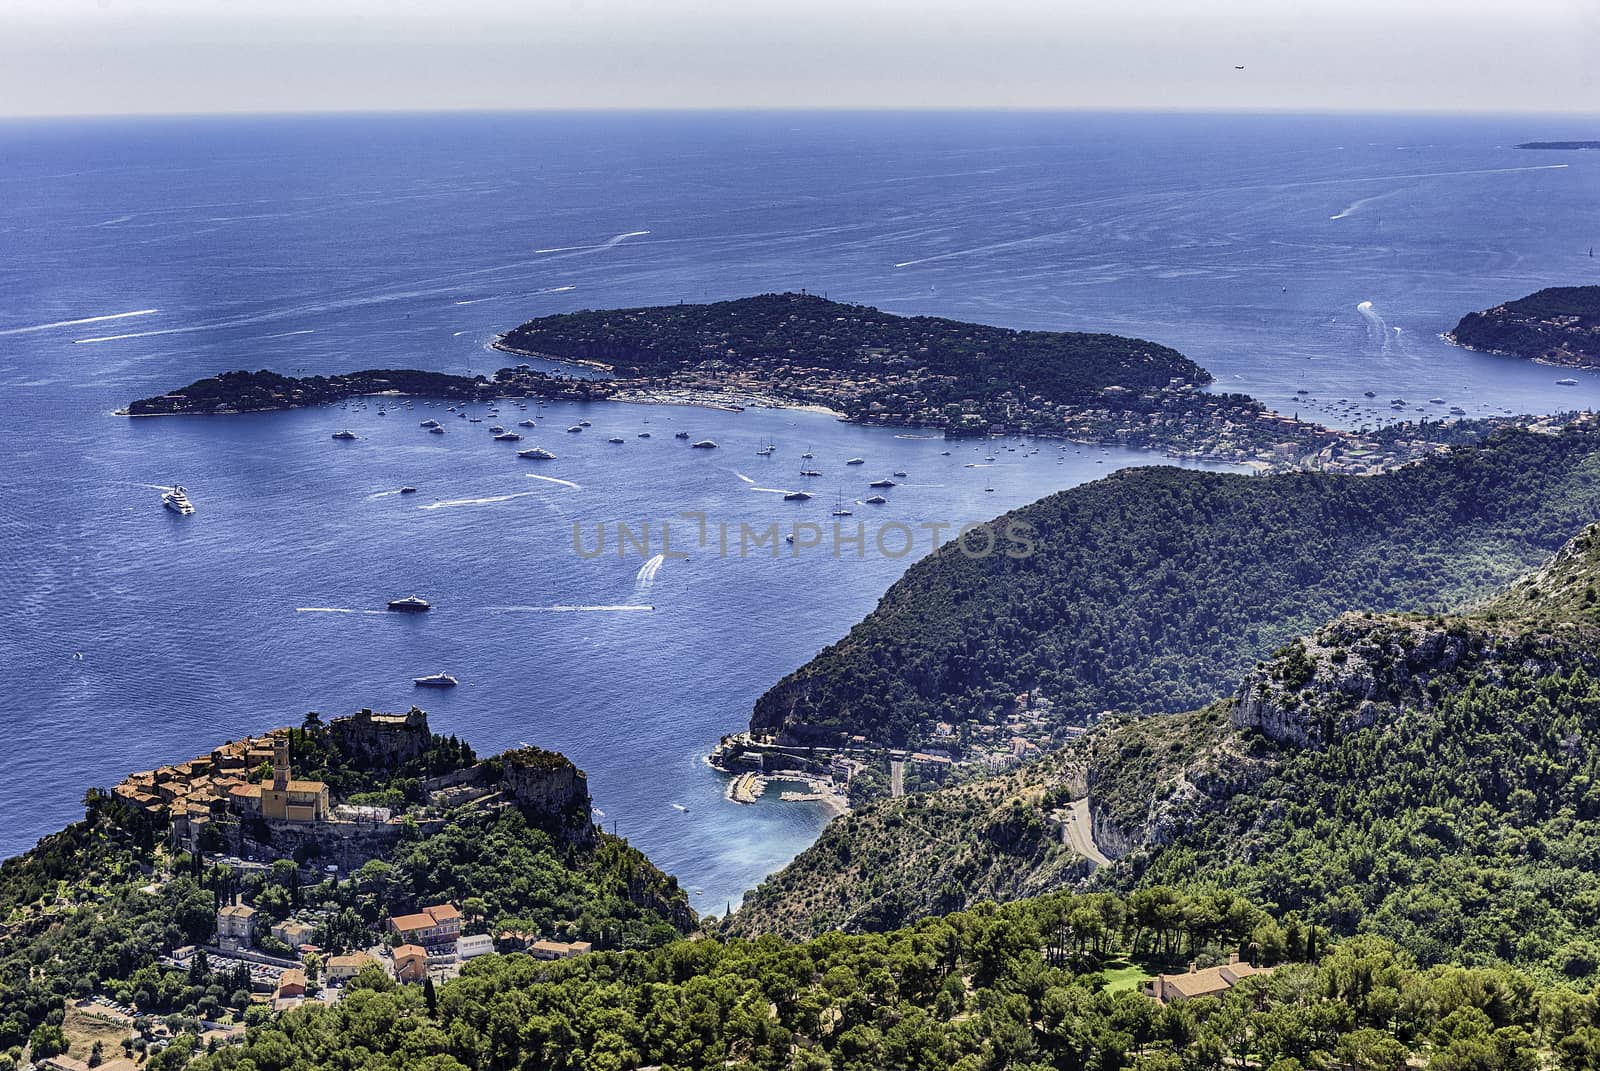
(1558, 326)
(868, 366)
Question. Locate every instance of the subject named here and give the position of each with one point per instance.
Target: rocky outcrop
(1150, 779)
(550, 791)
(1347, 676)
(381, 741)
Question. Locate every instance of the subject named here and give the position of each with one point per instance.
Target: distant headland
(870, 367)
(1558, 326)
(1560, 145)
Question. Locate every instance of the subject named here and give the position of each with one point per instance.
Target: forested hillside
(1154, 589)
(1431, 778)
(1028, 987)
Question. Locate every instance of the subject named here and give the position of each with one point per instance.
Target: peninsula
(1559, 326)
(873, 367)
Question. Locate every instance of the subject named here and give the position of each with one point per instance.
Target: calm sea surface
(1324, 254)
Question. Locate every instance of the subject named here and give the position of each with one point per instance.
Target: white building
(477, 944)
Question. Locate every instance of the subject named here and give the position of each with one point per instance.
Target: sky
(98, 57)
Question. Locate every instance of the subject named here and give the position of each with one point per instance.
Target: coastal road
(1079, 831)
(897, 778)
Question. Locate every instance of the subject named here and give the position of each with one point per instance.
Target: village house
(1211, 982)
(293, 932)
(344, 968)
(432, 926)
(235, 926)
(410, 963)
(559, 949)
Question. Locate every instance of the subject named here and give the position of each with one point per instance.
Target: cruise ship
(411, 604)
(435, 680)
(177, 501)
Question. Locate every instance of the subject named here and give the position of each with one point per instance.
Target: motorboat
(435, 680)
(411, 604)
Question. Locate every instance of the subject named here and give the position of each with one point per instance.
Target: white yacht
(177, 501)
(435, 680)
(537, 453)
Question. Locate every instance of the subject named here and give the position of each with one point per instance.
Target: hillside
(114, 906)
(1154, 589)
(1559, 325)
(1428, 778)
(1030, 986)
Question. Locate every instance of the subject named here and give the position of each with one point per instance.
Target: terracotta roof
(409, 951)
(419, 921)
(1212, 980)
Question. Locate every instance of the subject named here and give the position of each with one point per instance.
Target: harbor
(748, 788)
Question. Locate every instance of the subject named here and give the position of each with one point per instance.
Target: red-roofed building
(431, 926)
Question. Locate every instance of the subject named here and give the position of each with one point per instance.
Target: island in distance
(1570, 145)
(1559, 325)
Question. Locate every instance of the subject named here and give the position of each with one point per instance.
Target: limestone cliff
(550, 791)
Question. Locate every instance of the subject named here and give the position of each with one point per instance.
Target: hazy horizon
(191, 57)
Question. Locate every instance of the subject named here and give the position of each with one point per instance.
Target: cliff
(550, 791)
(1559, 326)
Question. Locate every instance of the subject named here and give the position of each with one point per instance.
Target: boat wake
(609, 243)
(75, 323)
(552, 479)
(1378, 334)
(771, 490)
(646, 577)
(486, 501)
(572, 609)
(1355, 206)
(743, 477)
(337, 610)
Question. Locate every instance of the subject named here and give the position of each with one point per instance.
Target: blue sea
(1324, 254)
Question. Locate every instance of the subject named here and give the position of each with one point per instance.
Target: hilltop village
(293, 883)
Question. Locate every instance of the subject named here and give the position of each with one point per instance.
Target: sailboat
(838, 505)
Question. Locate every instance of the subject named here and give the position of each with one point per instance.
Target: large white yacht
(177, 501)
